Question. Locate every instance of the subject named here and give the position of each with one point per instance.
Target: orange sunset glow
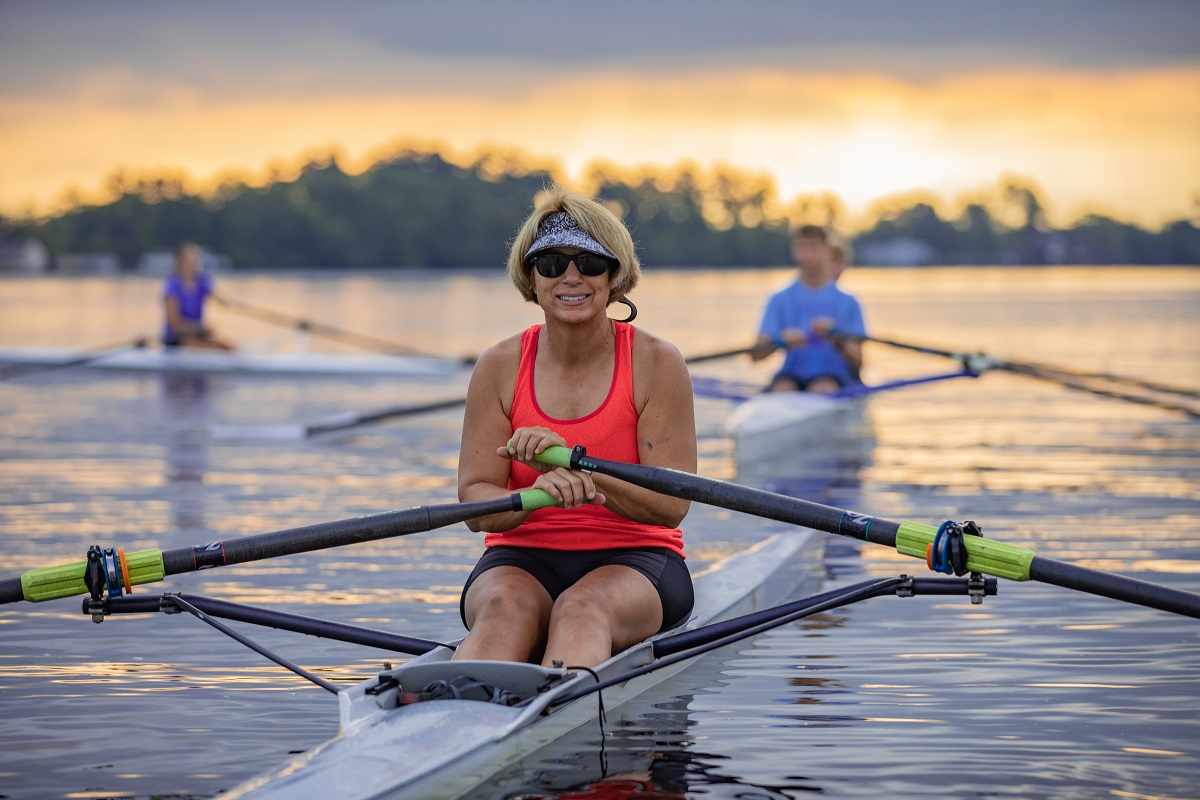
(1119, 141)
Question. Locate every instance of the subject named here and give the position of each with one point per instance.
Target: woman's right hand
(569, 487)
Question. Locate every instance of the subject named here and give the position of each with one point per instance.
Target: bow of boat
(399, 751)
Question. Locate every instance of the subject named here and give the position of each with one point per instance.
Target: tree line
(416, 209)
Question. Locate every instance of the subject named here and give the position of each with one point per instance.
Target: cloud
(1097, 101)
(375, 43)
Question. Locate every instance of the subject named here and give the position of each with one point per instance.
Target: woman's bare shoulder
(654, 351)
(496, 369)
(502, 354)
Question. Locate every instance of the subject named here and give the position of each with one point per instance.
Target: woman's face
(188, 263)
(572, 296)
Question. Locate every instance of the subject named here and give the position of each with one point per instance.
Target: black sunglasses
(551, 265)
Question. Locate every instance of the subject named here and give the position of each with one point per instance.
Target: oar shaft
(147, 566)
(741, 351)
(21, 370)
(1117, 587)
(734, 497)
(983, 555)
(321, 536)
(322, 329)
(916, 348)
(368, 417)
(1063, 376)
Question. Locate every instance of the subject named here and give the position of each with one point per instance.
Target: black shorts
(804, 383)
(557, 570)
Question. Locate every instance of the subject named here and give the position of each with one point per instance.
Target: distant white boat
(781, 432)
(784, 433)
(195, 360)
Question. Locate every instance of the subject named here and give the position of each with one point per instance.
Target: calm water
(1041, 692)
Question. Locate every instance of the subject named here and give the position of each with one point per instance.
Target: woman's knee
(506, 602)
(579, 606)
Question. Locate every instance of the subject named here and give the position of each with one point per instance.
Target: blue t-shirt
(189, 298)
(796, 307)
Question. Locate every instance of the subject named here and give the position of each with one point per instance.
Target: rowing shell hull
(215, 361)
(443, 749)
(785, 433)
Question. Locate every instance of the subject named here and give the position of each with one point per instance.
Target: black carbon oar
(299, 431)
(147, 566)
(986, 556)
(82, 360)
(1080, 380)
(741, 351)
(322, 329)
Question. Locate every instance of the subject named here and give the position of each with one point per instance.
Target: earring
(632, 310)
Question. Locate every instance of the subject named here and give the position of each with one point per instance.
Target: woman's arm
(666, 432)
(175, 318)
(482, 475)
(852, 351)
(482, 468)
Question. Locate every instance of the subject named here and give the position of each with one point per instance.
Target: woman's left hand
(525, 443)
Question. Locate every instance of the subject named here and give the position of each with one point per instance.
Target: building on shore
(24, 256)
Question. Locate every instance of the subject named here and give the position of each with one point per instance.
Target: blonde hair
(596, 220)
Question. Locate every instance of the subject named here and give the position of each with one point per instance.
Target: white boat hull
(783, 433)
(210, 361)
(442, 749)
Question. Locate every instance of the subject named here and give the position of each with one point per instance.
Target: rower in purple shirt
(184, 294)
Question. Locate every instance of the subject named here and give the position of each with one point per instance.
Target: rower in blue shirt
(800, 317)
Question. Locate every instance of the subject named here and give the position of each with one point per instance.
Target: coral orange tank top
(609, 432)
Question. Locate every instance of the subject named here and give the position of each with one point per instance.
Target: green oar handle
(984, 555)
(147, 566)
(66, 580)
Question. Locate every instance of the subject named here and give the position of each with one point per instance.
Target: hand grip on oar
(911, 538)
(148, 566)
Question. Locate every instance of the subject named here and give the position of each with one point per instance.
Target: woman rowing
(184, 294)
(575, 583)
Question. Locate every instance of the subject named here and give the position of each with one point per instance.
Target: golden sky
(861, 120)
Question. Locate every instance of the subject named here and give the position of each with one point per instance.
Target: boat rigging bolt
(976, 587)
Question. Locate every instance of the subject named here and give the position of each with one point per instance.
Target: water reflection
(186, 408)
(641, 754)
(1035, 691)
